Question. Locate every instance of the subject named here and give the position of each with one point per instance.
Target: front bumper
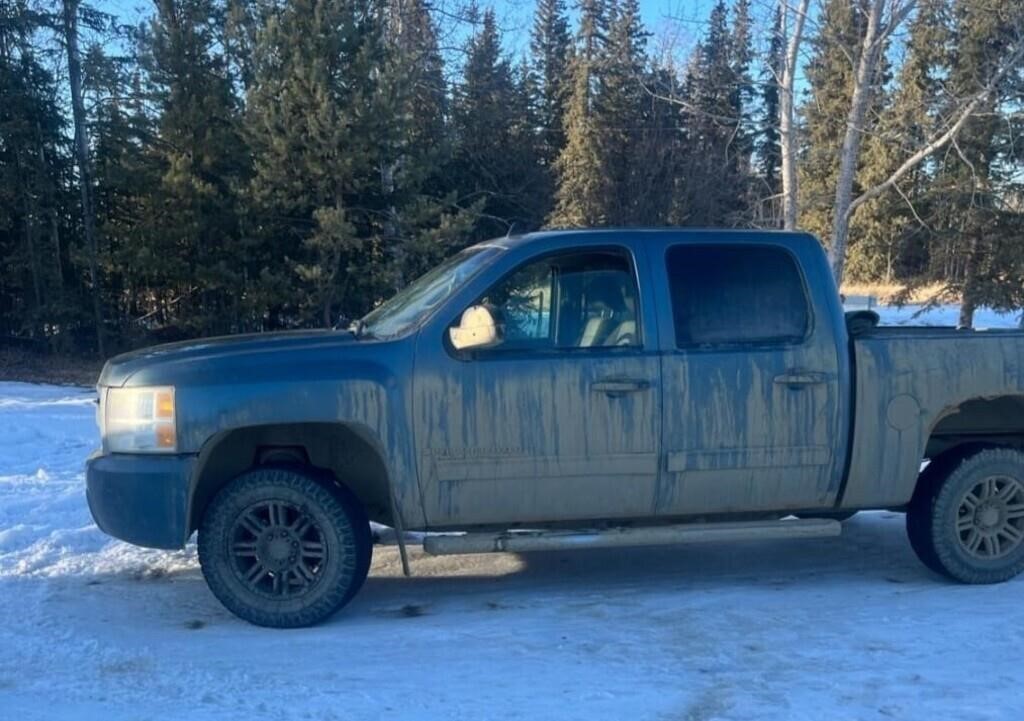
(141, 499)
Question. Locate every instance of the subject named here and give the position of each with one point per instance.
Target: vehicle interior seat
(611, 312)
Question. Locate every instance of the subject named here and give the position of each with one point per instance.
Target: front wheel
(967, 522)
(283, 547)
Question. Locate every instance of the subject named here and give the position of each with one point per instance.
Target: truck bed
(940, 331)
(916, 387)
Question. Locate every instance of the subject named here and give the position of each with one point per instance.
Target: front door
(752, 392)
(560, 419)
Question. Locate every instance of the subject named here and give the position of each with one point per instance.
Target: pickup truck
(565, 389)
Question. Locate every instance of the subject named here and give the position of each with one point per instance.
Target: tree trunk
(969, 295)
(42, 162)
(84, 164)
(787, 124)
(28, 208)
(954, 123)
(862, 91)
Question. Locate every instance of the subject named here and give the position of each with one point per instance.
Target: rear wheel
(967, 519)
(283, 547)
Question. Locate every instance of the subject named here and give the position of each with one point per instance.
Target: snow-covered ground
(945, 315)
(824, 630)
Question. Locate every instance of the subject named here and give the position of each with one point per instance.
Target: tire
(829, 515)
(918, 517)
(966, 520)
(284, 547)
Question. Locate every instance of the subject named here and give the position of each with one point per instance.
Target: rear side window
(729, 294)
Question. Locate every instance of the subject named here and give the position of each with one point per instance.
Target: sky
(682, 20)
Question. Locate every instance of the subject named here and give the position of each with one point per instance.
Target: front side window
(735, 294)
(565, 302)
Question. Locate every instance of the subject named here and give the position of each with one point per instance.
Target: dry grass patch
(888, 292)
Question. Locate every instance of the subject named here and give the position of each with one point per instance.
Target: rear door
(752, 396)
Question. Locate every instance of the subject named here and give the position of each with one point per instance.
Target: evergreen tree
(834, 53)
(34, 204)
(622, 121)
(551, 48)
(769, 153)
(316, 121)
(128, 175)
(425, 221)
(715, 119)
(203, 164)
(742, 99)
(488, 151)
(987, 161)
(660, 150)
(535, 177)
(892, 235)
(582, 189)
(70, 23)
(238, 165)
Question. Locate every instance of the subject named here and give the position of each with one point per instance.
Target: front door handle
(615, 387)
(797, 379)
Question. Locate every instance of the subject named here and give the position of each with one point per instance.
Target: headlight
(139, 420)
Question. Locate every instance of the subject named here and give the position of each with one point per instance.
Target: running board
(520, 541)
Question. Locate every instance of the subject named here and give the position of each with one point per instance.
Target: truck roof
(733, 234)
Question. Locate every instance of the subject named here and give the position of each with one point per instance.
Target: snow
(840, 628)
(945, 315)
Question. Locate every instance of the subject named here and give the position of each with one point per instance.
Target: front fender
(360, 393)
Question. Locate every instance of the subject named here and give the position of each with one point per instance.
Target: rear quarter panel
(906, 383)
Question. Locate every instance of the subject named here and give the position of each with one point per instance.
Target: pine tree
(35, 238)
(487, 150)
(769, 153)
(621, 105)
(425, 221)
(714, 118)
(660, 149)
(582, 187)
(742, 100)
(987, 159)
(317, 124)
(128, 175)
(203, 164)
(551, 49)
(533, 175)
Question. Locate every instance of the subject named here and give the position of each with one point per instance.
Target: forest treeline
(244, 165)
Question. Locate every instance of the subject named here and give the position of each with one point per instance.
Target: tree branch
(940, 141)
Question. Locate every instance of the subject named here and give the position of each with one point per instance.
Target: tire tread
(938, 488)
(337, 502)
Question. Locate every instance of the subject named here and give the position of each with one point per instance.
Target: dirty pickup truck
(562, 390)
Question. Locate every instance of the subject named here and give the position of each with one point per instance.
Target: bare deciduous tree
(884, 16)
(787, 124)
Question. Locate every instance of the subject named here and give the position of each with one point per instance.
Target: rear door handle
(798, 379)
(615, 387)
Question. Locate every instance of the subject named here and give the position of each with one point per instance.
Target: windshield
(417, 299)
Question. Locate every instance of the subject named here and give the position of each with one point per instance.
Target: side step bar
(520, 541)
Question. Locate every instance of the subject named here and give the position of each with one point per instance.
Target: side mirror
(861, 322)
(476, 329)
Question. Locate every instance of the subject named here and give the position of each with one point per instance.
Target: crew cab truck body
(656, 385)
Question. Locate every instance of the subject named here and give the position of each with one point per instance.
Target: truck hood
(224, 352)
